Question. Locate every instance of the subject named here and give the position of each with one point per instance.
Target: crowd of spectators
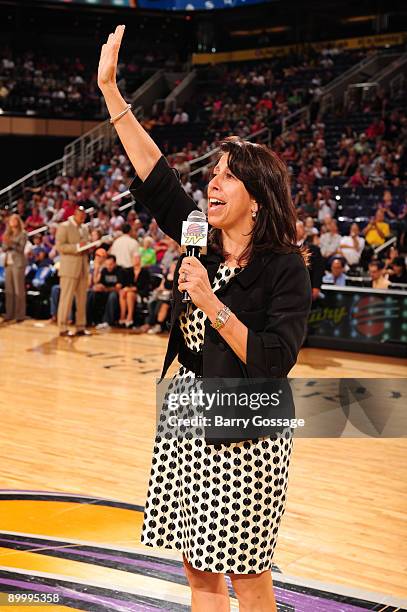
(348, 176)
(349, 187)
(41, 83)
(35, 83)
(132, 266)
(243, 98)
(350, 191)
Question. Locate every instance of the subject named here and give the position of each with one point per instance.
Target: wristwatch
(222, 316)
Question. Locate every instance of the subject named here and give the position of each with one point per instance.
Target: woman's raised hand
(141, 149)
(108, 59)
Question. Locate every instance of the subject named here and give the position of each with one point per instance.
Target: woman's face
(236, 204)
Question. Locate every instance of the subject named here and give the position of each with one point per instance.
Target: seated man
(377, 275)
(105, 294)
(337, 274)
(330, 241)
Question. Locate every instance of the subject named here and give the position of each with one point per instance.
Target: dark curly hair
(266, 178)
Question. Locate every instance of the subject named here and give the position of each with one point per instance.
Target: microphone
(194, 238)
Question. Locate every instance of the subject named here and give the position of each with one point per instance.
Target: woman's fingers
(103, 52)
(184, 285)
(186, 270)
(116, 36)
(192, 262)
(119, 33)
(191, 268)
(189, 259)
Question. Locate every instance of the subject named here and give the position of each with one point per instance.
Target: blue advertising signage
(195, 5)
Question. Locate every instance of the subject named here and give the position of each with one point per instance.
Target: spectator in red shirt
(35, 220)
(265, 102)
(69, 209)
(357, 180)
(375, 129)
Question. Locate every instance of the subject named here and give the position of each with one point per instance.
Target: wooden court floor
(78, 416)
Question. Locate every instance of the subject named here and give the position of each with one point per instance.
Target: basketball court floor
(76, 436)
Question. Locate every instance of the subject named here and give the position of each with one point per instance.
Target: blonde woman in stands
(14, 241)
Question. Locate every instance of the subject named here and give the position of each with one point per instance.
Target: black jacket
(271, 296)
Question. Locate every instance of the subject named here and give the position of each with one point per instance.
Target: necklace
(236, 269)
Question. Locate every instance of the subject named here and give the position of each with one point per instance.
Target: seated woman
(137, 283)
(159, 306)
(147, 252)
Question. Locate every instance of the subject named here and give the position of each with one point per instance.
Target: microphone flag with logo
(194, 238)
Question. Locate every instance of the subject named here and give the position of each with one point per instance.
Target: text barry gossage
(219, 399)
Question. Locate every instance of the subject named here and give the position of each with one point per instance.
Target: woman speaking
(221, 504)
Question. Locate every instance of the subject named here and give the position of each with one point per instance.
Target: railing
(182, 92)
(354, 70)
(289, 122)
(77, 155)
(397, 84)
(154, 88)
(392, 77)
(386, 244)
(333, 90)
(393, 74)
(36, 178)
(359, 92)
(81, 151)
(159, 106)
(369, 70)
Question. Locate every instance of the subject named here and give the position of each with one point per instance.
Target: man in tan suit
(73, 271)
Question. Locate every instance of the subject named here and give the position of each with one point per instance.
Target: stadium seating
(327, 152)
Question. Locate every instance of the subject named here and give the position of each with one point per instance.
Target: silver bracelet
(114, 119)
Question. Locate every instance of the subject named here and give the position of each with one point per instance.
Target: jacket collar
(248, 275)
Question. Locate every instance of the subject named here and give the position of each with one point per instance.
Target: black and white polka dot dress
(221, 505)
